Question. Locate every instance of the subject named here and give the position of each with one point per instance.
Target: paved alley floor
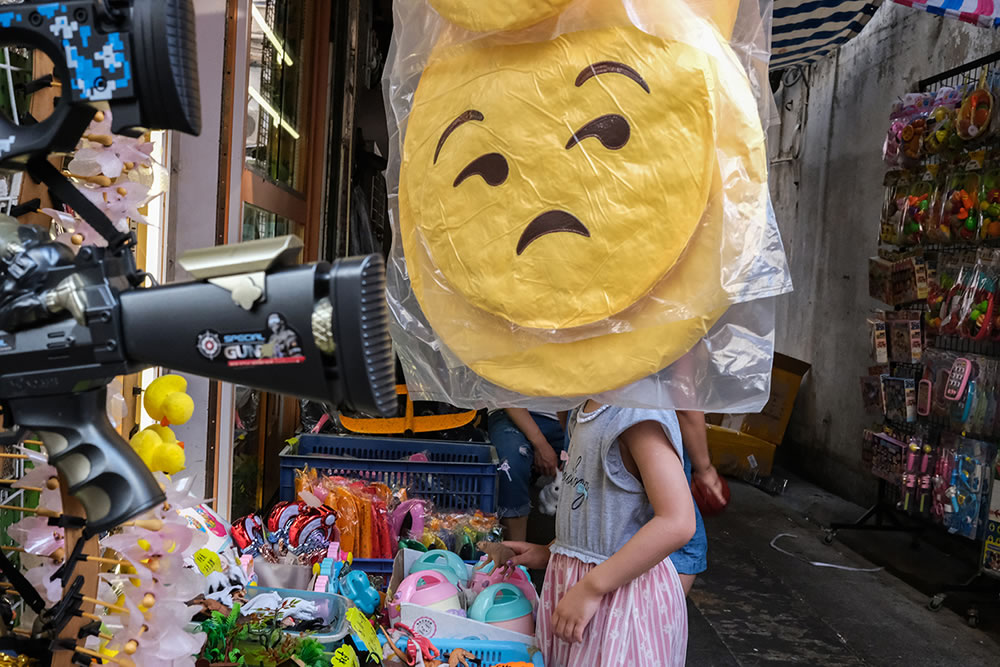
(758, 606)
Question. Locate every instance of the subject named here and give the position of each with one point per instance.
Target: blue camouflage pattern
(99, 64)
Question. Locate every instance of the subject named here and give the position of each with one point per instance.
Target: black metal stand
(885, 519)
(984, 586)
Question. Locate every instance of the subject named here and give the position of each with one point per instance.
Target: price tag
(345, 656)
(207, 561)
(363, 629)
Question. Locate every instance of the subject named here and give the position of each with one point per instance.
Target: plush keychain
(546, 220)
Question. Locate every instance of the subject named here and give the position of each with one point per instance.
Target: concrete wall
(826, 177)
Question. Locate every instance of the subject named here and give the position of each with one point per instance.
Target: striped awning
(804, 31)
(985, 13)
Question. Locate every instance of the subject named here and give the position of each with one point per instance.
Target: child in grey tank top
(611, 594)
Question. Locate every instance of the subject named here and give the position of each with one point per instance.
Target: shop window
(276, 93)
(259, 223)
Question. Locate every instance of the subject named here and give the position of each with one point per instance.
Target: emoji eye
(492, 167)
(612, 131)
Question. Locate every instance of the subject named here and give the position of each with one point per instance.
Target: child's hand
(575, 611)
(532, 556)
(546, 461)
(711, 483)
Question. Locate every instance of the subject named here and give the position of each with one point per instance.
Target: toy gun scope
(137, 57)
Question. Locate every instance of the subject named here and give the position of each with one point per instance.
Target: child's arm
(696, 445)
(672, 526)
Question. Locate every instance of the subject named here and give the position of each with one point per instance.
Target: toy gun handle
(99, 468)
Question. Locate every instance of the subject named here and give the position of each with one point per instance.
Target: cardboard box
(432, 623)
(733, 452)
(770, 424)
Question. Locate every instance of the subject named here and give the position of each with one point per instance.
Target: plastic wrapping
(580, 205)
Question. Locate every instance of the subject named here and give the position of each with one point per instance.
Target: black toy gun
(70, 324)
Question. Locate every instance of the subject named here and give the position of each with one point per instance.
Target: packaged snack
(941, 136)
(896, 187)
(959, 207)
(977, 305)
(892, 148)
(973, 119)
(989, 204)
(918, 213)
(951, 306)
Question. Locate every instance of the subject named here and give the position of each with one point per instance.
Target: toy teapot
(431, 589)
(489, 575)
(446, 562)
(505, 606)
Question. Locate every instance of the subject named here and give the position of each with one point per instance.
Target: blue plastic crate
(458, 475)
(491, 653)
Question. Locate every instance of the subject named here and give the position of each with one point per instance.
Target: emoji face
(554, 184)
(489, 16)
(731, 224)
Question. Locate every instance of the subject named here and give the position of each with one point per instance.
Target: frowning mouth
(549, 223)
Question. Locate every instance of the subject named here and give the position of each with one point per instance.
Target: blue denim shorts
(692, 558)
(517, 457)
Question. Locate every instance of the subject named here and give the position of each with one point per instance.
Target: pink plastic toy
(489, 575)
(431, 589)
(408, 519)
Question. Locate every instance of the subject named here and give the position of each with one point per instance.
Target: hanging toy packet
(580, 202)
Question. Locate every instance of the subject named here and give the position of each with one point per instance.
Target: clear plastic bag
(545, 247)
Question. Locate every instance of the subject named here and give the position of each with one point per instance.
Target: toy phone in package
(550, 245)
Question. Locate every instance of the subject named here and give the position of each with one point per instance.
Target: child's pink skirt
(642, 624)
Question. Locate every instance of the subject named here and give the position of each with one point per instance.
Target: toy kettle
(505, 606)
(490, 575)
(431, 589)
(446, 562)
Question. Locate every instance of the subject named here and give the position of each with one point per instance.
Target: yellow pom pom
(145, 443)
(168, 458)
(165, 432)
(178, 408)
(157, 392)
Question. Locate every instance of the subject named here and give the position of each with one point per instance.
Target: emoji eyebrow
(610, 67)
(463, 118)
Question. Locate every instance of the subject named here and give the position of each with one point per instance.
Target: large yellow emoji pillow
(580, 201)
